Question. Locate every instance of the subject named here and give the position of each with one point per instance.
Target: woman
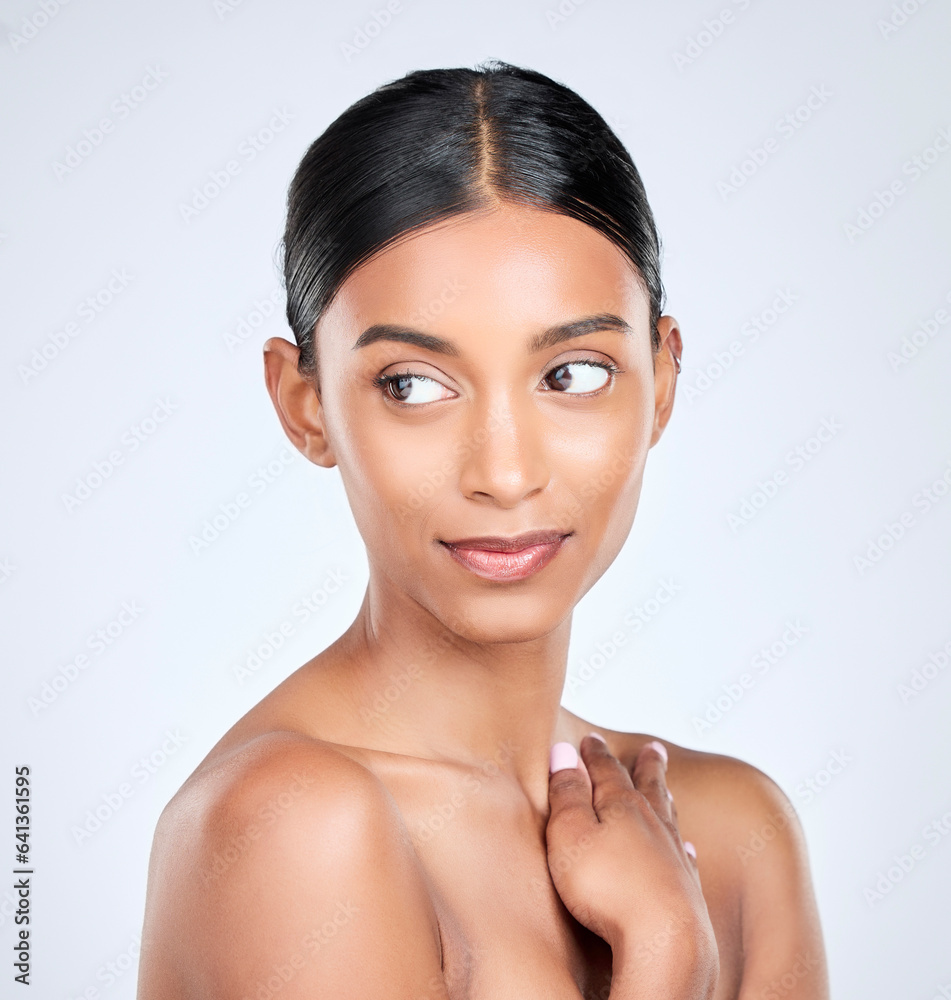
(472, 272)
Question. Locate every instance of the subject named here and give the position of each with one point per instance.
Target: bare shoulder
(731, 807)
(751, 848)
(732, 794)
(725, 789)
(285, 858)
(277, 784)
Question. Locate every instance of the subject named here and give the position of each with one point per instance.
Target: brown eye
(400, 387)
(411, 389)
(578, 377)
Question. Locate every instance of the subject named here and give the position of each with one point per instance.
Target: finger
(675, 820)
(584, 768)
(569, 791)
(650, 778)
(610, 779)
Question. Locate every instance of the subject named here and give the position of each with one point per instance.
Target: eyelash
(383, 381)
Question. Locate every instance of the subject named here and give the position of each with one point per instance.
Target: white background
(690, 114)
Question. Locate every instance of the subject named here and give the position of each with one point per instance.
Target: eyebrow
(549, 338)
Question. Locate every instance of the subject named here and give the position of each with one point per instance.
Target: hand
(617, 860)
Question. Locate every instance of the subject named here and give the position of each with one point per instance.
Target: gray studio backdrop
(167, 557)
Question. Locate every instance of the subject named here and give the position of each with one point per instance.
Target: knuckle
(616, 809)
(652, 785)
(654, 790)
(633, 799)
(626, 801)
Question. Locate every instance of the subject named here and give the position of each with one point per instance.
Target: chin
(505, 617)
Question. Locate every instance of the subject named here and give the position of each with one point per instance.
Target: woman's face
(490, 376)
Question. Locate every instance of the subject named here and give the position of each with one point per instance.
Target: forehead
(512, 263)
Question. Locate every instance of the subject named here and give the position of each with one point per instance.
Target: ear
(297, 403)
(665, 374)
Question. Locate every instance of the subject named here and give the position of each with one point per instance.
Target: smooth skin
(384, 824)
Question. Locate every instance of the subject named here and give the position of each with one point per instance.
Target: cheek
(612, 440)
(606, 471)
(393, 474)
(603, 471)
(410, 464)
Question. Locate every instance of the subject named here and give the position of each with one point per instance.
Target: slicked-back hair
(442, 142)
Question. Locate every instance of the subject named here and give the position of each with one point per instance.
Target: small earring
(679, 368)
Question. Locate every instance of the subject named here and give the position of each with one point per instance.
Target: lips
(495, 557)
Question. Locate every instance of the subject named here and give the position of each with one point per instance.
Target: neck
(415, 687)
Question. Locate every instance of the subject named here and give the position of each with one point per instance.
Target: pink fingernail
(659, 747)
(690, 849)
(562, 755)
(598, 736)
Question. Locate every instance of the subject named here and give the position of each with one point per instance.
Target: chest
(504, 931)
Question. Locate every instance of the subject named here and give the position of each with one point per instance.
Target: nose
(507, 454)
